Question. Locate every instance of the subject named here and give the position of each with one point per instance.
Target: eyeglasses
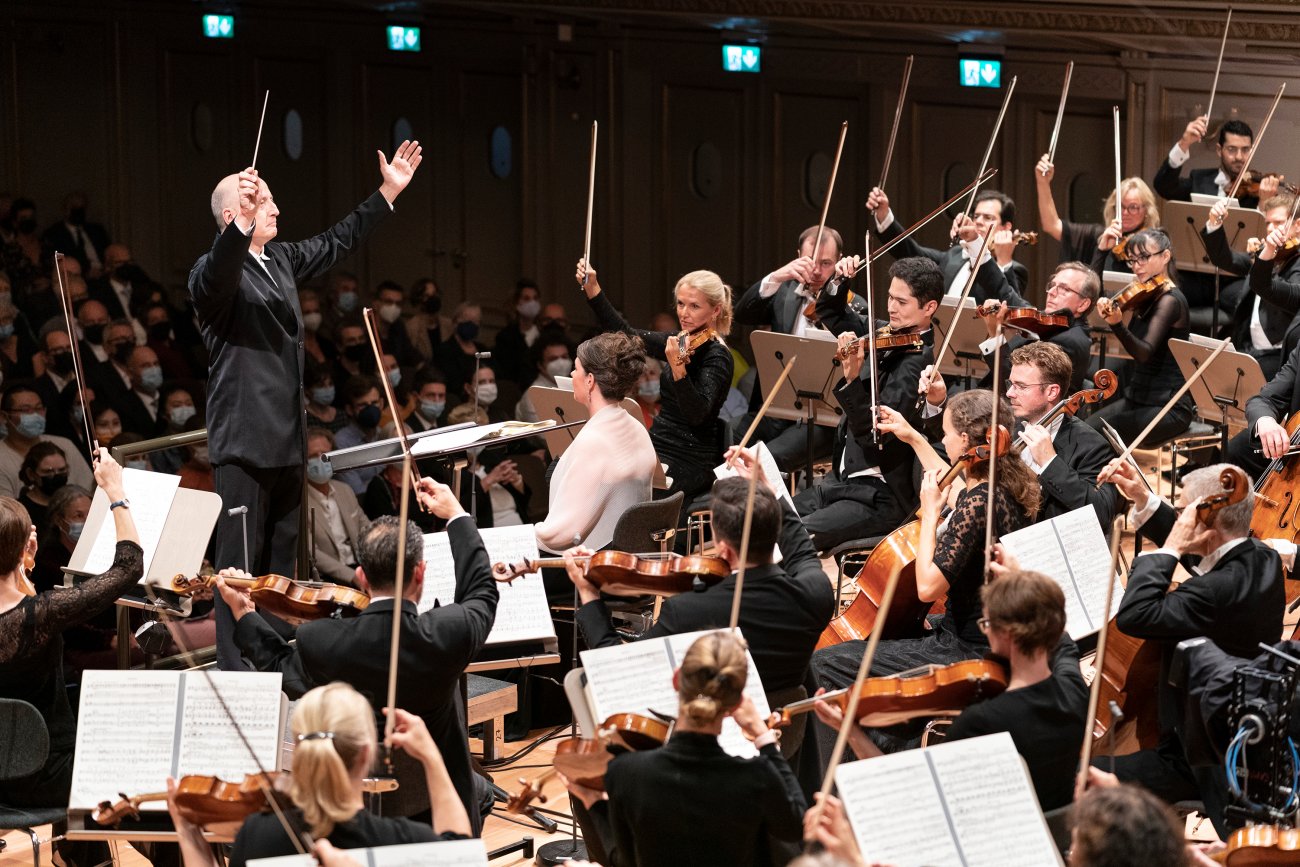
(1012, 385)
(1061, 287)
(1136, 208)
(1139, 258)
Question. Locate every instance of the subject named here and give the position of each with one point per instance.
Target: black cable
(523, 751)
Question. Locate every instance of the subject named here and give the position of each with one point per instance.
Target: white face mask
(390, 312)
(559, 367)
(487, 393)
(311, 321)
(528, 309)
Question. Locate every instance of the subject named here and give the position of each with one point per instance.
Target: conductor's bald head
(225, 200)
(226, 206)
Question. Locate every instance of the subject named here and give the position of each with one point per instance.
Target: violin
(687, 343)
(25, 584)
(1250, 183)
(907, 614)
(810, 309)
(920, 692)
(623, 574)
(584, 760)
(201, 800)
(1260, 845)
(1028, 318)
(885, 340)
(1136, 294)
(295, 602)
(1024, 239)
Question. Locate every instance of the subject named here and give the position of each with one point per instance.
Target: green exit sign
(742, 58)
(219, 26)
(403, 38)
(981, 72)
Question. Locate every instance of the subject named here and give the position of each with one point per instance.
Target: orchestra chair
(1199, 437)
(1060, 824)
(642, 529)
(24, 746)
(849, 558)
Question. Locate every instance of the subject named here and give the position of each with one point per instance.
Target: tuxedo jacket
(252, 327)
(1170, 183)
(783, 609)
(1278, 293)
(434, 649)
(1069, 482)
(59, 238)
(1280, 397)
(949, 261)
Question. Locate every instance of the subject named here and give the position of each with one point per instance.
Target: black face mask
(26, 226)
(61, 363)
(433, 304)
(94, 333)
(77, 216)
(369, 417)
(50, 484)
(160, 332)
(122, 352)
(357, 353)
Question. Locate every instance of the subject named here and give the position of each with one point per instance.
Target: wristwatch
(124, 503)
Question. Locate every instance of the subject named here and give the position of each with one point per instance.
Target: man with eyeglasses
(778, 302)
(1071, 292)
(992, 208)
(23, 413)
(1231, 149)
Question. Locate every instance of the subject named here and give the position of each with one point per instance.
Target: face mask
(487, 393)
(6, 331)
(180, 414)
(390, 312)
(528, 309)
(94, 333)
(347, 301)
(467, 330)
(395, 376)
(369, 417)
(559, 367)
(151, 378)
(77, 216)
(31, 425)
(649, 389)
(201, 456)
(433, 304)
(311, 321)
(75, 528)
(122, 352)
(356, 354)
(50, 484)
(319, 472)
(27, 226)
(61, 363)
(432, 408)
(160, 332)
(137, 464)
(323, 395)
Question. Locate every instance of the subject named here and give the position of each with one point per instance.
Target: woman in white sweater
(610, 463)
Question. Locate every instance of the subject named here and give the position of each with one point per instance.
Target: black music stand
(1184, 221)
(965, 345)
(805, 394)
(1222, 391)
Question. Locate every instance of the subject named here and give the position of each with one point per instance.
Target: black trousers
(1241, 451)
(836, 512)
(1129, 420)
(273, 496)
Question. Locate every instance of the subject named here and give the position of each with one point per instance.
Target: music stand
(805, 395)
(559, 405)
(965, 345)
(1184, 221)
(1222, 391)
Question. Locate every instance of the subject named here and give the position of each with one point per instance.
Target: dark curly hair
(616, 360)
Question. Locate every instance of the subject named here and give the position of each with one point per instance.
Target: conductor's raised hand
(586, 277)
(438, 499)
(399, 172)
(248, 195)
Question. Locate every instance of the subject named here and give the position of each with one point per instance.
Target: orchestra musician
(1264, 319)
(992, 208)
(871, 487)
(1126, 824)
(1046, 699)
(688, 433)
(949, 558)
(688, 802)
(31, 643)
(1072, 291)
(1154, 376)
(779, 302)
(436, 645)
(1266, 416)
(1235, 598)
(245, 296)
(1231, 148)
(1094, 242)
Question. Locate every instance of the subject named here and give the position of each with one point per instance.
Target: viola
(201, 800)
(296, 602)
(920, 692)
(1120, 250)
(1028, 318)
(687, 342)
(623, 574)
(885, 340)
(1136, 294)
(810, 309)
(1260, 845)
(584, 760)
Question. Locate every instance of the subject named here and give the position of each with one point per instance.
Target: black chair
(648, 526)
(24, 746)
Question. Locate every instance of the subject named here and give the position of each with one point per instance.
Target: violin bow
(1060, 113)
(762, 410)
(1119, 173)
(874, 371)
(78, 369)
(995, 440)
(965, 293)
(1094, 692)
(1214, 88)
(993, 140)
(985, 175)
(744, 543)
(591, 201)
(386, 387)
(898, 119)
(1259, 136)
(851, 711)
(1178, 395)
(826, 201)
(257, 146)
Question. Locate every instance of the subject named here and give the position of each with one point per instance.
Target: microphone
(238, 510)
(482, 355)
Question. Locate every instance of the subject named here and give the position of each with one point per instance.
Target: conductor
(245, 293)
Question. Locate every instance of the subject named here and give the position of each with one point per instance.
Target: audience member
(105, 422)
(92, 321)
(426, 327)
(551, 359)
(65, 518)
(510, 353)
(319, 349)
(176, 409)
(430, 393)
(495, 475)
(44, 471)
(364, 408)
(75, 237)
(16, 348)
(196, 470)
(647, 391)
(392, 331)
(355, 358)
(336, 517)
(455, 355)
(342, 300)
(22, 214)
(24, 416)
(482, 389)
(318, 385)
(176, 359)
(140, 408)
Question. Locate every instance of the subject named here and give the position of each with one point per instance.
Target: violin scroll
(1235, 485)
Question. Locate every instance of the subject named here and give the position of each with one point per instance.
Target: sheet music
(462, 438)
(151, 496)
(450, 853)
(732, 739)
(770, 470)
(967, 802)
(523, 613)
(209, 743)
(125, 731)
(1071, 550)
